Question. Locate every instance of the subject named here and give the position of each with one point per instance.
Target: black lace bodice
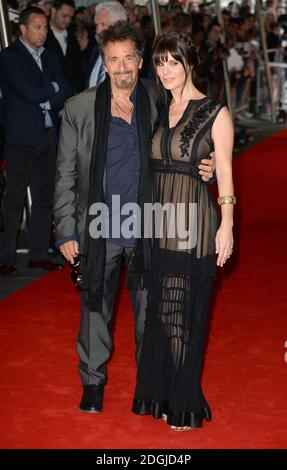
(183, 146)
(175, 155)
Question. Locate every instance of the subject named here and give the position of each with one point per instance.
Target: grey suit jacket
(73, 162)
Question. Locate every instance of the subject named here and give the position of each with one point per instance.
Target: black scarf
(93, 266)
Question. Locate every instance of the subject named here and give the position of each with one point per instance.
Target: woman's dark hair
(182, 48)
(122, 31)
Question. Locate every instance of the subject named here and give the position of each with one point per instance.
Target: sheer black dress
(182, 271)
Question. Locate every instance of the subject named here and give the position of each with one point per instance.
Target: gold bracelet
(226, 200)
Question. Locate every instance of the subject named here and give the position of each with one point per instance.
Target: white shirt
(62, 39)
(234, 61)
(36, 54)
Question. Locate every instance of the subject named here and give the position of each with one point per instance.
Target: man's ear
(140, 63)
(22, 29)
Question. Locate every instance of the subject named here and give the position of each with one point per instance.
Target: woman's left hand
(223, 244)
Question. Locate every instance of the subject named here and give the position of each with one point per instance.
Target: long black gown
(170, 366)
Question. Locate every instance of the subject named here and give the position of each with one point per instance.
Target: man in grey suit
(103, 152)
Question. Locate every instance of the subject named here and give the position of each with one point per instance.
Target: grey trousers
(94, 344)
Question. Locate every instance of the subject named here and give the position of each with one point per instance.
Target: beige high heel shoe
(176, 428)
(181, 428)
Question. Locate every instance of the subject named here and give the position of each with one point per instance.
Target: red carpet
(245, 376)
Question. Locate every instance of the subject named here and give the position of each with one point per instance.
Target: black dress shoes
(9, 270)
(45, 264)
(92, 399)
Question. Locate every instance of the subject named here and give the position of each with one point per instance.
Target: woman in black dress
(183, 261)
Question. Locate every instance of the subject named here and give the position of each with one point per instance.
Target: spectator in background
(134, 20)
(251, 32)
(146, 27)
(271, 5)
(233, 28)
(198, 34)
(235, 66)
(182, 21)
(244, 8)
(107, 14)
(176, 9)
(270, 18)
(80, 14)
(13, 5)
(14, 30)
(212, 62)
(81, 32)
(34, 91)
(62, 40)
(165, 19)
(45, 5)
(274, 40)
(141, 11)
(226, 15)
(206, 21)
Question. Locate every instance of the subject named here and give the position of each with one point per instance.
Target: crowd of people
(237, 42)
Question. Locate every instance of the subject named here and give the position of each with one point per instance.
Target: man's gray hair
(115, 11)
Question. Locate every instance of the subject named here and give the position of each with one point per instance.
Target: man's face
(62, 18)
(122, 63)
(35, 33)
(102, 22)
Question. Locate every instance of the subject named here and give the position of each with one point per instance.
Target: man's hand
(207, 167)
(70, 250)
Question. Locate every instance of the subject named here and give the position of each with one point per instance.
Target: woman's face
(171, 73)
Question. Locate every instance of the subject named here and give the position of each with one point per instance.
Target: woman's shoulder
(213, 102)
(205, 107)
(210, 107)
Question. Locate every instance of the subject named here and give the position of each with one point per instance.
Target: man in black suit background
(63, 42)
(34, 91)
